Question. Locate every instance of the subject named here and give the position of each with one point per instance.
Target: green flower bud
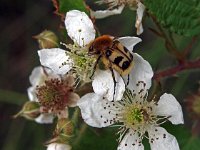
(47, 39)
(64, 130)
(193, 104)
(30, 110)
(196, 104)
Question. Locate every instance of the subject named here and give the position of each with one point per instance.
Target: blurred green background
(20, 20)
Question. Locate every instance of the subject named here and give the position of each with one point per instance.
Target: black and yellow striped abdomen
(119, 58)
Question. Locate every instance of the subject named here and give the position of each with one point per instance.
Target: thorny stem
(169, 43)
(171, 38)
(56, 5)
(186, 65)
(187, 50)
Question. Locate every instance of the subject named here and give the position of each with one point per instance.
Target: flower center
(83, 64)
(136, 115)
(137, 111)
(53, 95)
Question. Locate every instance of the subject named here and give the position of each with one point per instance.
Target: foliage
(64, 6)
(179, 16)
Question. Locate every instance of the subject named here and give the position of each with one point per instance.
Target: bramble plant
(100, 94)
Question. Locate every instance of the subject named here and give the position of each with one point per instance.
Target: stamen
(53, 95)
(135, 113)
(82, 63)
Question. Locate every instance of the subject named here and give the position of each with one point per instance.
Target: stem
(187, 65)
(187, 50)
(172, 38)
(169, 42)
(56, 5)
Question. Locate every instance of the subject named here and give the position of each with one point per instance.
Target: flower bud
(193, 108)
(47, 39)
(193, 103)
(64, 130)
(196, 104)
(30, 110)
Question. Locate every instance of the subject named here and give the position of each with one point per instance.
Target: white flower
(117, 6)
(134, 114)
(81, 30)
(54, 93)
(58, 146)
(37, 78)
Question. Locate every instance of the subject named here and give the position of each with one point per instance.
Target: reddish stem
(189, 46)
(56, 5)
(186, 65)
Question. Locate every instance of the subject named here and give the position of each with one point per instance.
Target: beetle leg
(128, 79)
(95, 66)
(115, 82)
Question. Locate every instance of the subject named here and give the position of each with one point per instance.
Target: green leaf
(192, 144)
(64, 6)
(179, 16)
(12, 97)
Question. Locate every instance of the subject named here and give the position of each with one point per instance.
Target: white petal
(103, 84)
(169, 106)
(95, 110)
(36, 75)
(141, 71)
(138, 23)
(45, 119)
(58, 146)
(79, 27)
(105, 13)
(130, 142)
(160, 139)
(54, 59)
(129, 42)
(40, 74)
(37, 78)
(31, 94)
